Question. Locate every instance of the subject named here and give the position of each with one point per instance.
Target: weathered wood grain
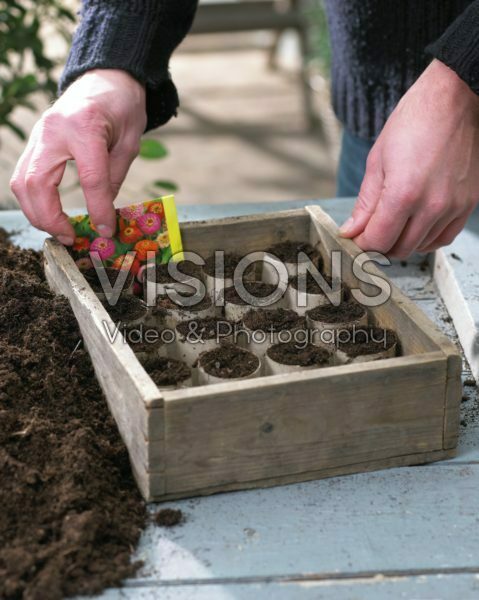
(303, 422)
(245, 234)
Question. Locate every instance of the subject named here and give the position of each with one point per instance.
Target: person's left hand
(422, 175)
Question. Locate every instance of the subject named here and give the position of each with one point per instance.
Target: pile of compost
(71, 514)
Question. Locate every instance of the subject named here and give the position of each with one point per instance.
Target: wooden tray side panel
(452, 409)
(125, 384)
(156, 488)
(245, 234)
(275, 427)
(418, 334)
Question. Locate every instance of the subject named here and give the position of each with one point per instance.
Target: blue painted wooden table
(404, 533)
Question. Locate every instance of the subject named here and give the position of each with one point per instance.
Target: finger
(35, 183)
(369, 194)
(93, 164)
(447, 236)
(121, 157)
(438, 228)
(414, 234)
(385, 225)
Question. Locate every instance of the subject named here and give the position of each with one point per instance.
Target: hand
(97, 122)
(422, 174)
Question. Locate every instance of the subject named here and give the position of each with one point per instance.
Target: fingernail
(66, 240)
(104, 230)
(347, 226)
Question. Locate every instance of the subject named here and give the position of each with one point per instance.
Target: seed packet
(149, 227)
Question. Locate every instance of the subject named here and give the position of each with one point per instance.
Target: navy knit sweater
(380, 47)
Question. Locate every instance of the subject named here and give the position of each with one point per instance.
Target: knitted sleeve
(137, 36)
(458, 47)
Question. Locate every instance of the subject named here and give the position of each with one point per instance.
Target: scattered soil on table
(274, 320)
(231, 261)
(362, 341)
(424, 264)
(229, 362)
(166, 371)
(127, 309)
(344, 313)
(164, 304)
(71, 513)
(255, 288)
(112, 274)
(287, 252)
(302, 356)
(185, 268)
(204, 329)
(470, 382)
(168, 517)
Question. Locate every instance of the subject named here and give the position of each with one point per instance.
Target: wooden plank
(285, 425)
(371, 585)
(453, 401)
(158, 482)
(418, 334)
(133, 399)
(245, 234)
(397, 520)
(455, 274)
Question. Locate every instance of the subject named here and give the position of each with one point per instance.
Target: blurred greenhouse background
(255, 122)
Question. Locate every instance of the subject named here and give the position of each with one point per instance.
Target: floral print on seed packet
(141, 228)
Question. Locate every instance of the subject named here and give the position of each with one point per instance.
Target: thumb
(369, 194)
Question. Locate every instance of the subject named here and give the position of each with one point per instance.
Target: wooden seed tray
(284, 428)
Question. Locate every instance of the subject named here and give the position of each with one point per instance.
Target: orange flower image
(143, 247)
(156, 208)
(130, 234)
(82, 244)
(127, 263)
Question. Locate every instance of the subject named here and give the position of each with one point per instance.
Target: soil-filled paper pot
(365, 344)
(218, 279)
(295, 256)
(216, 285)
(220, 274)
(293, 357)
(196, 336)
(326, 321)
(112, 276)
(169, 374)
(304, 294)
(227, 363)
(264, 328)
(168, 313)
(130, 311)
(146, 342)
(263, 295)
(160, 278)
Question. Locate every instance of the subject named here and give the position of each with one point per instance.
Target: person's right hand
(98, 123)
